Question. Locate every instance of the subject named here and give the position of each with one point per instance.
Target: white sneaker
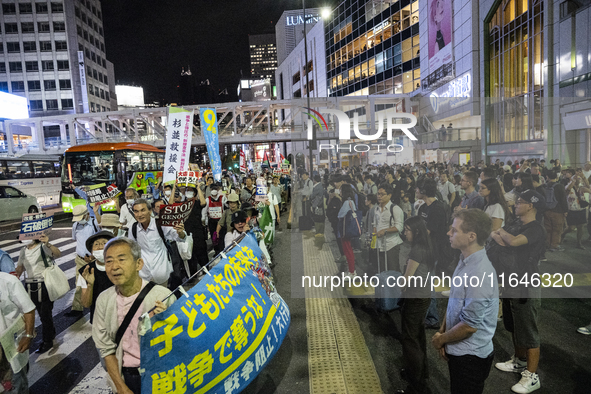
(513, 365)
(585, 330)
(446, 293)
(529, 382)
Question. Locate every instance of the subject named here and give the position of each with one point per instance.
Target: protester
(156, 263)
(239, 225)
(465, 337)
(6, 263)
(415, 304)
(33, 258)
(123, 263)
(225, 222)
(126, 217)
(248, 193)
(15, 304)
(521, 304)
(84, 226)
(110, 222)
(195, 227)
(93, 278)
(212, 213)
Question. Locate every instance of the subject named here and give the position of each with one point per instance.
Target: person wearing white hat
(84, 226)
(110, 222)
(226, 220)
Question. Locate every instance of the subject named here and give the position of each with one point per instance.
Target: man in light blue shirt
(83, 227)
(465, 337)
(6, 263)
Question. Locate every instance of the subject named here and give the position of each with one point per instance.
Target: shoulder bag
(54, 278)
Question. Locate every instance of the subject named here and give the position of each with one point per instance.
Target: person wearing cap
(226, 221)
(195, 227)
(93, 279)
(110, 222)
(521, 304)
(84, 226)
(31, 260)
(248, 192)
(239, 225)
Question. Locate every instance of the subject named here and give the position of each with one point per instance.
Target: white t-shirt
(446, 189)
(496, 211)
(126, 218)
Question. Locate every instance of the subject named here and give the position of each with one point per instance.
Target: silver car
(13, 203)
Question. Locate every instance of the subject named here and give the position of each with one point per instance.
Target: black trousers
(467, 373)
(44, 309)
(213, 224)
(414, 343)
(133, 380)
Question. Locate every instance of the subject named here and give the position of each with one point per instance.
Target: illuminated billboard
(13, 107)
(129, 96)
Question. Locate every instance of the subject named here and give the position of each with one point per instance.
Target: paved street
(357, 331)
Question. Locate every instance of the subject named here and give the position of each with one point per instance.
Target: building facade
(289, 30)
(263, 56)
(54, 54)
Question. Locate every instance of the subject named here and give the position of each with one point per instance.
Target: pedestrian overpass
(238, 123)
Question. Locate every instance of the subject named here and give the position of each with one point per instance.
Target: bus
(35, 175)
(123, 164)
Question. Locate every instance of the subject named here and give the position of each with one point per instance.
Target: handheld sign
(173, 214)
(261, 194)
(102, 194)
(188, 178)
(33, 229)
(220, 336)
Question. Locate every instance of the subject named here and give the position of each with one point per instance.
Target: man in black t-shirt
(93, 278)
(527, 239)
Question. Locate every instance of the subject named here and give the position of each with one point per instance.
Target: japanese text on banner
(209, 128)
(178, 142)
(171, 215)
(220, 337)
(35, 228)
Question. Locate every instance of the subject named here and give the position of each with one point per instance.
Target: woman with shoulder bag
(31, 259)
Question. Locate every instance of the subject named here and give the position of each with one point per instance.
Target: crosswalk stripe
(65, 343)
(7, 241)
(95, 382)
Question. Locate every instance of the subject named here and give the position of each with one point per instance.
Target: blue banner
(219, 338)
(38, 226)
(209, 128)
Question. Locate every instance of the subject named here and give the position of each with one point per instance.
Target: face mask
(130, 202)
(83, 222)
(99, 255)
(167, 193)
(190, 194)
(27, 242)
(214, 193)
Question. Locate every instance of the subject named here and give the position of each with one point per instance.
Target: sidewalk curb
(57, 217)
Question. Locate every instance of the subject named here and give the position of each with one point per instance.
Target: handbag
(582, 202)
(54, 278)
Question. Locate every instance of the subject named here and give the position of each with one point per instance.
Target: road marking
(65, 343)
(19, 245)
(95, 382)
(61, 248)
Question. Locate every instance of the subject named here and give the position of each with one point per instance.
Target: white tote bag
(54, 278)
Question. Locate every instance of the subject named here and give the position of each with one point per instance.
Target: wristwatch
(29, 336)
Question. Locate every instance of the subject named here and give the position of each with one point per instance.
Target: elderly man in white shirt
(14, 304)
(157, 264)
(126, 218)
(388, 222)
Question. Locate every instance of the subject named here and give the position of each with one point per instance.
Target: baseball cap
(239, 217)
(79, 211)
(534, 198)
(507, 167)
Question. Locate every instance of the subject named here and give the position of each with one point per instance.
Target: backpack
(551, 200)
(178, 266)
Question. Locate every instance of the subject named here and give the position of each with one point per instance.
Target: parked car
(13, 203)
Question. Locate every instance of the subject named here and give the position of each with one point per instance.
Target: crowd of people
(457, 220)
(126, 262)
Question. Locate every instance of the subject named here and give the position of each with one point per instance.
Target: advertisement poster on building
(178, 142)
(209, 128)
(440, 33)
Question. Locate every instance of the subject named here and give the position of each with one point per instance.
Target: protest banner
(188, 178)
(209, 128)
(257, 167)
(285, 169)
(223, 335)
(267, 224)
(261, 193)
(33, 229)
(173, 214)
(101, 194)
(242, 162)
(27, 217)
(179, 134)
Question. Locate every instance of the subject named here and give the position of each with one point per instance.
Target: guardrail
(450, 135)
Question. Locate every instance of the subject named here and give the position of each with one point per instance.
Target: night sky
(149, 41)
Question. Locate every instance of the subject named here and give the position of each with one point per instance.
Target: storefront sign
(577, 120)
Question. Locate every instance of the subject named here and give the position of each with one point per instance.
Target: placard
(102, 194)
(188, 178)
(34, 229)
(261, 193)
(173, 214)
(27, 217)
